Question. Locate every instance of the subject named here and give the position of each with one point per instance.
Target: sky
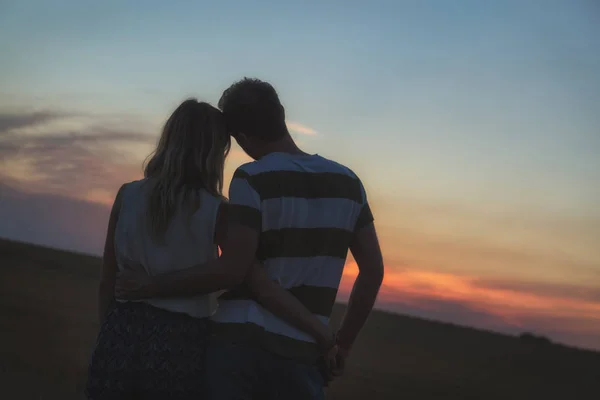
(475, 127)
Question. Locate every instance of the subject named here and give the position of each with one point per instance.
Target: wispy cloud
(10, 121)
(85, 163)
(301, 129)
(547, 289)
(45, 152)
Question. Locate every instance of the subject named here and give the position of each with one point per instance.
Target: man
(298, 214)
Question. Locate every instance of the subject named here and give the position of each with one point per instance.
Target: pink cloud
(301, 129)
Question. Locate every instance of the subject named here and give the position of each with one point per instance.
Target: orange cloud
(517, 306)
(446, 286)
(56, 153)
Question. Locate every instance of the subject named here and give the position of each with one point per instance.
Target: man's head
(254, 115)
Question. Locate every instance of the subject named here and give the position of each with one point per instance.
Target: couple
(180, 321)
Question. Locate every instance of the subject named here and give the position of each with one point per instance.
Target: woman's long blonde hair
(190, 155)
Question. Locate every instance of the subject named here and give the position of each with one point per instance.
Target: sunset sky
(474, 125)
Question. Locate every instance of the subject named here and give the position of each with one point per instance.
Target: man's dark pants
(239, 371)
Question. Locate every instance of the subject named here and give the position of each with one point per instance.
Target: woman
(172, 219)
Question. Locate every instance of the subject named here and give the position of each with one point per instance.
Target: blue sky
(511, 87)
(474, 124)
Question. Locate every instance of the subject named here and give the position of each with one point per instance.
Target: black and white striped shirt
(306, 209)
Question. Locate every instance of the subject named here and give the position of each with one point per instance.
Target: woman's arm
(109, 262)
(275, 298)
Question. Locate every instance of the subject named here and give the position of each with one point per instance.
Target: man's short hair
(252, 107)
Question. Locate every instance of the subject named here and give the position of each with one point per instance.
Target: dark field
(48, 326)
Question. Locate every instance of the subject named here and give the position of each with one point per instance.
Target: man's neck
(284, 145)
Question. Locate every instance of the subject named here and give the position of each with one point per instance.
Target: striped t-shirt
(306, 209)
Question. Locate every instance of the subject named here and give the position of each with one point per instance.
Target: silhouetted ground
(48, 326)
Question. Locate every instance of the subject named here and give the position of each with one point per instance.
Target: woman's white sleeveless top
(186, 243)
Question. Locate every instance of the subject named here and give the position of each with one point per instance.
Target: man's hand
(133, 282)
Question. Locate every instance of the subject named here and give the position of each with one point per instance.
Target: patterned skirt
(144, 352)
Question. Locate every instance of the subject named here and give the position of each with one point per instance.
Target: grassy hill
(48, 327)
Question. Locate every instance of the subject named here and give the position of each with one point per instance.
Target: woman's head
(190, 155)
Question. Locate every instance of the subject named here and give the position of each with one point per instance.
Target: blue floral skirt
(144, 352)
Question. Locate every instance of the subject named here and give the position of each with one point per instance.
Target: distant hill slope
(52, 220)
(49, 325)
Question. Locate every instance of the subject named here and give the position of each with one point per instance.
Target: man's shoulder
(337, 167)
(264, 165)
(349, 175)
(248, 169)
(316, 164)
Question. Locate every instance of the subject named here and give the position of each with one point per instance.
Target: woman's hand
(133, 282)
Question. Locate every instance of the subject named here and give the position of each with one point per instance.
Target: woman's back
(188, 241)
(166, 223)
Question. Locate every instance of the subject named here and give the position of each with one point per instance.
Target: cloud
(508, 306)
(301, 129)
(560, 290)
(16, 120)
(89, 163)
(86, 155)
(92, 134)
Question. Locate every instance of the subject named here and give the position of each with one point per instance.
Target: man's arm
(284, 305)
(367, 253)
(109, 261)
(226, 272)
(274, 297)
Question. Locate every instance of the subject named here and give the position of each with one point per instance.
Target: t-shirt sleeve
(244, 202)
(365, 216)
